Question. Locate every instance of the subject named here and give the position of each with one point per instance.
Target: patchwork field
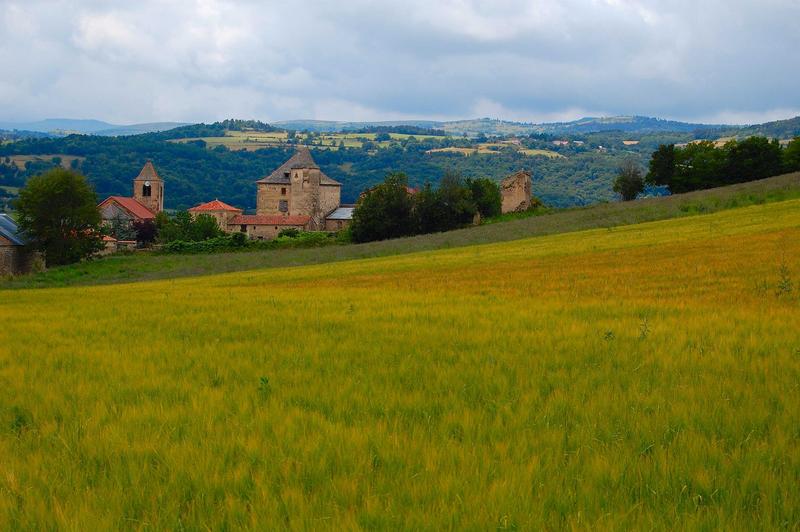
(495, 148)
(256, 140)
(643, 376)
(21, 160)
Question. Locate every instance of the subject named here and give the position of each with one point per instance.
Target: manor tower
(299, 188)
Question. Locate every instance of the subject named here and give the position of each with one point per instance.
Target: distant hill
(331, 126)
(492, 126)
(66, 126)
(779, 129)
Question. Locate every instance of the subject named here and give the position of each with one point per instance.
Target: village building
(266, 226)
(340, 218)
(219, 210)
(15, 259)
(515, 191)
(299, 188)
(147, 200)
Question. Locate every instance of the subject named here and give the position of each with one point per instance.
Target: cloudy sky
(537, 60)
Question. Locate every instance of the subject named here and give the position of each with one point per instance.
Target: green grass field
(631, 377)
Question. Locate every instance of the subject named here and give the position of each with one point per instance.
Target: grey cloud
(527, 60)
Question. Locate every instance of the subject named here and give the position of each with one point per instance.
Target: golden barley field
(641, 377)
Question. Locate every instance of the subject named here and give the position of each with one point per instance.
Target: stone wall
(269, 198)
(266, 232)
(330, 198)
(336, 225)
(15, 260)
(516, 192)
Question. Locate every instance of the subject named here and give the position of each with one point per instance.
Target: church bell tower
(148, 188)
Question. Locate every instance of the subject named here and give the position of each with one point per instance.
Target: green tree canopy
(486, 195)
(629, 182)
(58, 211)
(791, 156)
(385, 211)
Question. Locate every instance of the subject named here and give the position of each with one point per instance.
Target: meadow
(642, 376)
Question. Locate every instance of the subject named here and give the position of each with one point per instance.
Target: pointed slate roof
(149, 172)
(10, 231)
(301, 159)
(215, 205)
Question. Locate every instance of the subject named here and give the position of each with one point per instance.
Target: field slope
(643, 376)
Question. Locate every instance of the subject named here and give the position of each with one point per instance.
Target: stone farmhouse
(14, 258)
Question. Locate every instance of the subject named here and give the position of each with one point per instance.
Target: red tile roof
(215, 205)
(261, 219)
(132, 206)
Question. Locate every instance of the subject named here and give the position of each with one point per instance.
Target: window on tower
(146, 189)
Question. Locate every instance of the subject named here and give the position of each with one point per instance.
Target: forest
(582, 174)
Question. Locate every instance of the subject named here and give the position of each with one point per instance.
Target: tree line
(393, 209)
(701, 165)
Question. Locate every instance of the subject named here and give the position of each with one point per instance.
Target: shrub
(292, 232)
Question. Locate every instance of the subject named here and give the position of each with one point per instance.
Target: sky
(535, 61)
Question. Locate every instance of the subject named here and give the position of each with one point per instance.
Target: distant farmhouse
(14, 258)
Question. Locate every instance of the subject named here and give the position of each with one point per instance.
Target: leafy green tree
(183, 226)
(429, 212)
(486, 195)
(629, 182)
(146, 231)
(385, 211)
(203, 227)
(458, 205)
(698, 166)
(751, 159)
(662, 166)
(791, 156)
(58, 211)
